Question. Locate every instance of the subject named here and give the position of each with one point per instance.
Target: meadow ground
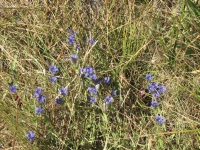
(77, 74)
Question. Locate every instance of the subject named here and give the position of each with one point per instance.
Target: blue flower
(63, 91)
(71, 40)
(106, 80)
(156, 94)
(114, 92)
(87, 71)
(53, 69)
(41, 99)
(39, 110)
(58, 100)
(78, 47)
(149, 77)
(154, 104)
(30, 136)
(159, 119)
(38, 92)
(74, 58)
(156, 89)
(92, 100)
(91, 41)
(108, 99)
(92, 90)
(93, 77)
(13, 88)
(162, 89)
(152, 87)
(53, 79)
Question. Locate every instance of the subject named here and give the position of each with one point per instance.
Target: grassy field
(106, 75)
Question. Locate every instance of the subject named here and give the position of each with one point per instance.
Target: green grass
(132, 38)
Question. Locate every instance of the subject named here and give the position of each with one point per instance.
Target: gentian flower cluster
(53, 70)
(63, 91)
(40, 98)
(71, 41)
(156, 90)
(87, 71)
(38, 94)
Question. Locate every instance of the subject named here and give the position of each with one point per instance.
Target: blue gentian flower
(39, 110)
(162, 89)
(41, 99)
(114, 92)
(58, 100)
(106, 80)
(154, 104)
(92, 100)
(53, 79)
(78, 47)
(108, 99)
(149, 77)
(38, 92)
(63, 91)
(159, 119)
(13, 88)
(152, 87)
(93, 77)
(156, 94)
(71, 40)
(92, 90)
(91, 41)
(87, 71)
(30, 136)
(156, 89)
(53, 69)
(74, 58)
